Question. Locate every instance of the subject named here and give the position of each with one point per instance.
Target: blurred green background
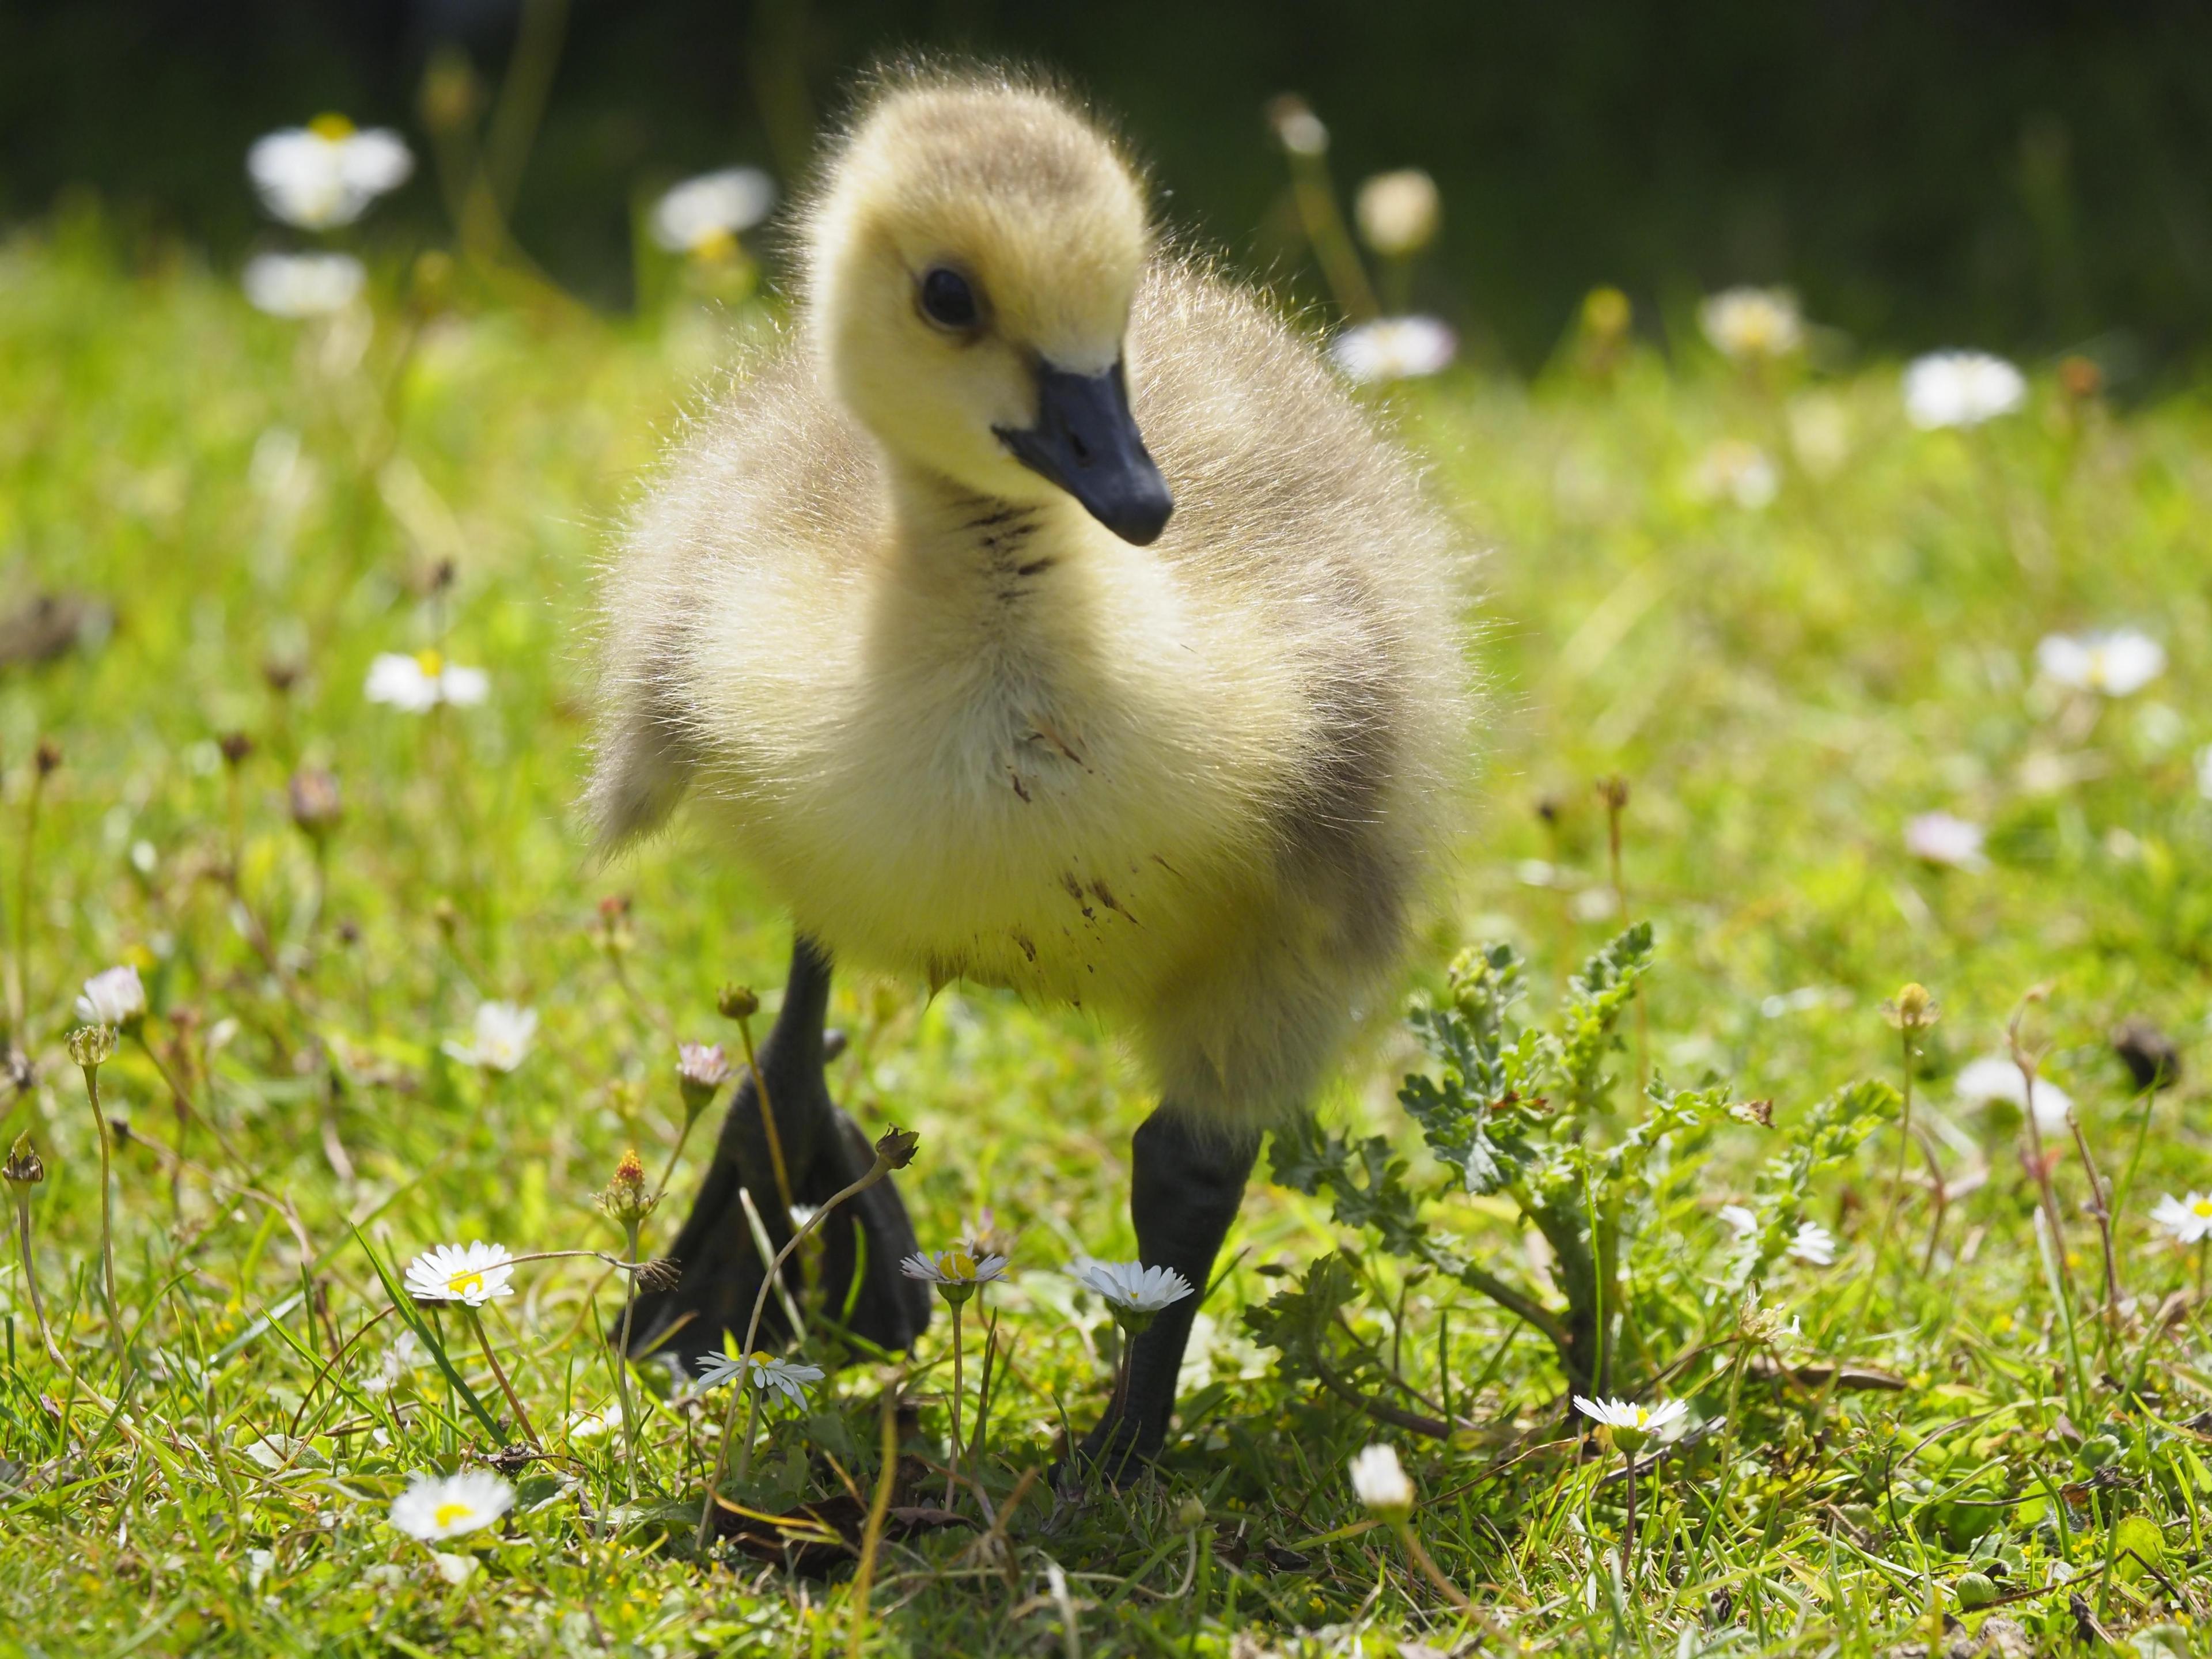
(2028, 177)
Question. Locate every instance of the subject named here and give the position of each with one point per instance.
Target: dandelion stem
(492, 1358)
(31, 1272)
(621, 1355)
(1420, 1558)
(107, 1208)
(767, 1125)
(876, 1172)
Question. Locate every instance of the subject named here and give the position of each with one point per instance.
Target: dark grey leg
(1187, 1183)
(823, 1151)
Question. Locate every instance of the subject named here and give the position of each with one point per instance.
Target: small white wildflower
(2116, 665)
(1381, 1482)
(1632, 1424)
(1738, 1219)
(1393, 349)
(1734, 471)
(1134, 1292)
(446, 1507)
(501, 1038)
(2189, 1220)
(420, 683)
(1750, 324)
(455, 1569)
(475, 1273)
(782, 1376)
(1299, 130)
(1943, 838)
(1398, 212)
(957, 1272)
(296, 285)
(1814, 1245)
(1960, 388)
(697, 214)
(1993, 1077)
(590, 1425)
(112, 996)
(326, 173)
(258, 1563)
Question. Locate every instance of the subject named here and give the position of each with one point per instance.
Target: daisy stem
(2204, 1245)
(483, 1341)
(1628, 1531)
(622, 1356)
(952, 1466)
(879, 1505)
(876, 1172)
(31, 1272)
(107, 1209)
(1434, 1574)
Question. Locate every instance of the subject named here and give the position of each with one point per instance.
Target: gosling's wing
(726, 588)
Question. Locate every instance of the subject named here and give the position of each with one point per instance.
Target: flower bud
(702, 1069)
(1398, 212)
(1914, 1008)
(235, 746)
(92, 1046)
(624, 1199)
(737, 1002)
(49, 758)
(1190, 1514)
(24, 1168)
(1298, 128)
(317, 807)
(895, 1148)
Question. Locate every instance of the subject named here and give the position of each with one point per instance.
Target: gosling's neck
(950, 537)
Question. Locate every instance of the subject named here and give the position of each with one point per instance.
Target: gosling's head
(973, 261)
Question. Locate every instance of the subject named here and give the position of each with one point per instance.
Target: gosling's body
(1194, 784)
(968, 731)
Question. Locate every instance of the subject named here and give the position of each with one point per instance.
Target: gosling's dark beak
(1086, 441)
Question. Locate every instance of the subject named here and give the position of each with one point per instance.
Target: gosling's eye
(948, 299)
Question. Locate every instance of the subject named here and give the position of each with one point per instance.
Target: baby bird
(1043, 614)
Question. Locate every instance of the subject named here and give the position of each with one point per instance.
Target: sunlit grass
(242, 514)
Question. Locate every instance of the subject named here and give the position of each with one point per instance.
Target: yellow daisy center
(462, 1283)
(447, 1514)
(715, 246)
(430, 663)
(958, 1264)
(331, 127)
(2201, 1209)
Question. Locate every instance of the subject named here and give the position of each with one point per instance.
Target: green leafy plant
(1528, 1115)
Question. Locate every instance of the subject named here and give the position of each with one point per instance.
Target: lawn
(1787, 621)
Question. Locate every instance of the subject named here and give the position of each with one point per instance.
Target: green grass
(1781, 688)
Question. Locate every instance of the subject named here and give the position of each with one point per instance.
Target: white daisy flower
(1734, 471)
(1813, 1244)
(327, 173)
(1993, 1077)
(1134, 1292)
(446, 1507)
(587, 1426)
(1960, 388)
(2189, 1220)
(956, 1270)
(475, 1273)
(2117, 664)
(112, 996)
(1749, 324)
(697, 214)
(1632, 1424)
(1740, 1220)
(1393, 349)
(501, 1040)
(1944, 838)
(455, 1569)
(1381, 1482)
(784, 1376)
(1398, 212)
(420, 683)
(295, 285)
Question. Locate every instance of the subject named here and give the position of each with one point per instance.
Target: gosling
(1040, 614)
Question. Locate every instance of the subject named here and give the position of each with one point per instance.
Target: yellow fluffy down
(963, 730)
